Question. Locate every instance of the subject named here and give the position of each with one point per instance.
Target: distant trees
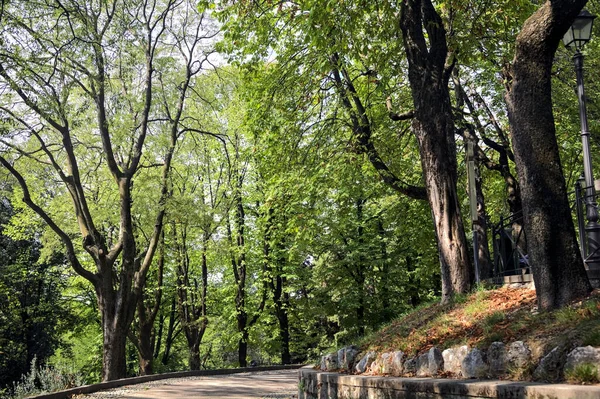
(84, 95)
(33, 313)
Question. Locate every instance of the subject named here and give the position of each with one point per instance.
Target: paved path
(266, 384)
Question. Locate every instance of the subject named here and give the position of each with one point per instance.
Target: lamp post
(576, 37)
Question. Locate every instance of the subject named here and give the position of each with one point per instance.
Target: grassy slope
(486, 316)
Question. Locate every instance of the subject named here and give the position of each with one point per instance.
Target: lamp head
(580, 31)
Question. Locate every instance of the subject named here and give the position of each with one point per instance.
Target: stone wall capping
(315, 384)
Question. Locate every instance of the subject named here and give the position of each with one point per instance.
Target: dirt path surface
(267, 384)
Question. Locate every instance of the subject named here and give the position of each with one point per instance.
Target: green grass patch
(585, 373)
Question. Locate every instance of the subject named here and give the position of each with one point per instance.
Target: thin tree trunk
(360, 268)
(170, 333)
(159, 335)
(481, 228)
(413, 289)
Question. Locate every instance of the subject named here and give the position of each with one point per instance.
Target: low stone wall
(315, 384)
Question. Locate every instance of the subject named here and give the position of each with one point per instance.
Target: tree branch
(71, 255)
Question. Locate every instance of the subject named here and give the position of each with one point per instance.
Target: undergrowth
(42, 379)
(485, 316)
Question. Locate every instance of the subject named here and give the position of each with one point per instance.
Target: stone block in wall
(474, 365)
(423, 365)
(551, 366)
(435, 361)
(410, 366)
(397, 367)
(518, 354)
(329, 362)
(385, 363)
(453, 358)
(496, 357)
(346, 357)
(365, 362)
(583, 355)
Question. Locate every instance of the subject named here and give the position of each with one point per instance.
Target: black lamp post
(576, 37)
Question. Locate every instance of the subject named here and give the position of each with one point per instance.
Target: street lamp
(576, 37)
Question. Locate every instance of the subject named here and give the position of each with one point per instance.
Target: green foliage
(349, 254)
(591, 338)
(33, 314)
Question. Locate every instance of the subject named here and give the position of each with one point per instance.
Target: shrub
(41, 380)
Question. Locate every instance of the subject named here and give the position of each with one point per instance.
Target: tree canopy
(197, 184)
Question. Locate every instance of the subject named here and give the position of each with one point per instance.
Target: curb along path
(268, 382)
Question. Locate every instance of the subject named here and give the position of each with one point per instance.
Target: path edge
(85, 389)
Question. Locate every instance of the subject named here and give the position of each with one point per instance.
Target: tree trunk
(481, 228)
(113, 348)
(194, 356)
(284, 327)
(170, 333)
(360, 268)
(413, 289)
(146, 349)
(243, 347)
(384, 291)
(281, 300)
(147, 310)
(434, 129)
(159, 335)
(556, 263)
(192, 309)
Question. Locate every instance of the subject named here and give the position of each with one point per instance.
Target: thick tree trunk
(194, 356)
(433, 126)
(113, 348)
(555, 259)
(243, 348)
(440, 182)
(146, 349)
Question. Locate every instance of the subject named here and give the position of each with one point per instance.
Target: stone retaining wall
(326, 385)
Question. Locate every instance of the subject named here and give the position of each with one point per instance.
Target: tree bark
(556, 263)
(171, 333)
(433, 127)
(121, 269)
(192, 309)
(147, 312)
(481, 228)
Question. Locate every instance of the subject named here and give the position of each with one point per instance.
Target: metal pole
(473, 205)
(592, 228)
(476, 253)
(580, 218)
